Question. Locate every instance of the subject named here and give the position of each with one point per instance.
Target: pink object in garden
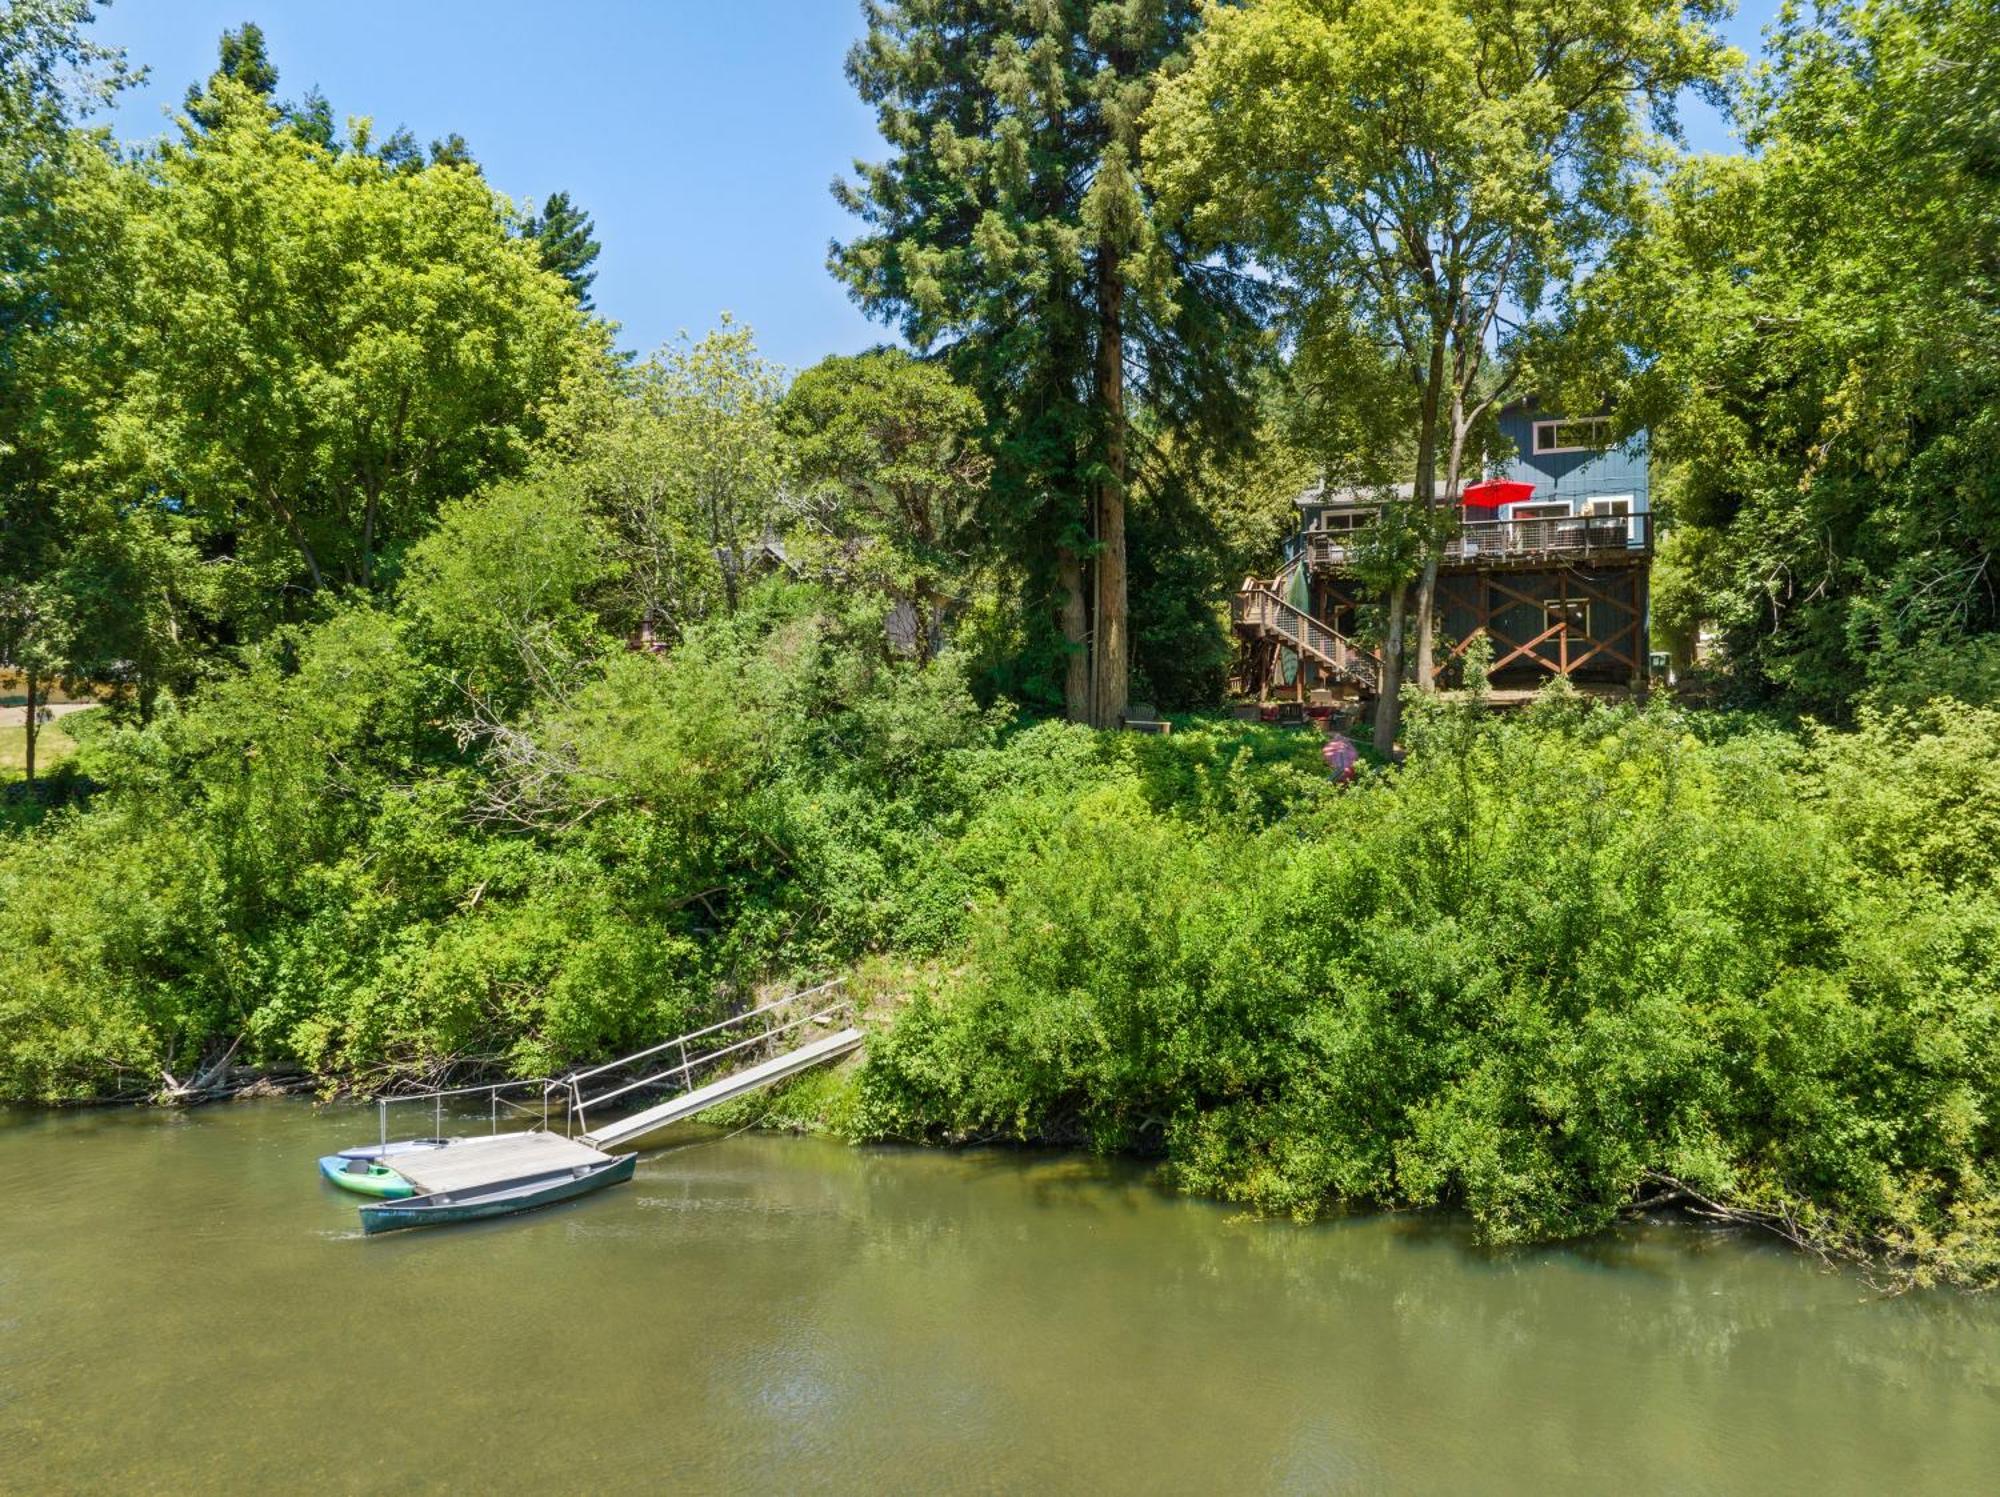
(1342, 757)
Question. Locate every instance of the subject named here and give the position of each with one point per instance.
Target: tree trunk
(1111, 650)
(33, 728)
(1389, 702)
(930, 626)
(1426, 487)
(1426, 621)
(1076, 638)
(368, 544)
(726, 559)
(298, 534)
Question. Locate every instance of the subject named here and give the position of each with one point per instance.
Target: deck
(500, 1159)
(1499, 545)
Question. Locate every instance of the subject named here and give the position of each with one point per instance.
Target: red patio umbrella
(1494, 492)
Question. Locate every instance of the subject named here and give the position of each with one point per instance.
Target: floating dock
(500, 1159)
(466, 1178)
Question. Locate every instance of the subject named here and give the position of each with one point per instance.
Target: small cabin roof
(1353, 496)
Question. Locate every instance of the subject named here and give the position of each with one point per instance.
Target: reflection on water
(184, 1304)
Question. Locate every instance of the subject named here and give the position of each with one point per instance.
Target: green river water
(185, 1306)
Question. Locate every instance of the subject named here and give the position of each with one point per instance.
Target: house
(1549, 559)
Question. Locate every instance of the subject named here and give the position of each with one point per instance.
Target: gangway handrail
(570, 1085)
(694, 1034)
(579, 1103)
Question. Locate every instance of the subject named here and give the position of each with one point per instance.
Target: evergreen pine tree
(241, 58)
(1009, 226)
(562, 234)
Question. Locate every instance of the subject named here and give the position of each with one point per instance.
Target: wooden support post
(1643, 641)
(1562, 604)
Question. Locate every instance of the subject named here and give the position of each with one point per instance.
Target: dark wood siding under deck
(1559, 621)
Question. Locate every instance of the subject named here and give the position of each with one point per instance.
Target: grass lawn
(52, 746)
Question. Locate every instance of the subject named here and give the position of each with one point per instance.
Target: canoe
(365, 1177)
(475, 1203)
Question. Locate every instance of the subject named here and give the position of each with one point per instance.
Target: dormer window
(1585, 434)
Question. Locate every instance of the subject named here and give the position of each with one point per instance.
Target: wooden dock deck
(677, 1109)
(501, 1158)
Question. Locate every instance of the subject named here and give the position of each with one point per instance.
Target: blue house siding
(1574, 476)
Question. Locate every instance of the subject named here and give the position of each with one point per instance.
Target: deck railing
(1568, 539)
(497, 1104)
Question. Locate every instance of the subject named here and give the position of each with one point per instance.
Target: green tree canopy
(1009, 228)
(561, 232)
(52, 76)
(683, 458)
(1812, 334)
(891, 482)
(241, 59)
(322, 347)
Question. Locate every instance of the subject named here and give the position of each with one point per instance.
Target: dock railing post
(493, 1110)
(382, 1117)
(437, 1115)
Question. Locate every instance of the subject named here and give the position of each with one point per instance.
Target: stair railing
(1257, 605)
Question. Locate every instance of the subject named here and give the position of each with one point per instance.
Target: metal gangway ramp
(683, 1062)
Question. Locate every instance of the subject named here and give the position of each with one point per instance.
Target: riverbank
(1554, 966)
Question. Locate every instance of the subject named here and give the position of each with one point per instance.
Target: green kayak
(365, 1177)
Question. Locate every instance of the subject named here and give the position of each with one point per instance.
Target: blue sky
(701, 136)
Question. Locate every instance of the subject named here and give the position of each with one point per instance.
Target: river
(186, 1306)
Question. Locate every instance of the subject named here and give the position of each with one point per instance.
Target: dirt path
(17, 717)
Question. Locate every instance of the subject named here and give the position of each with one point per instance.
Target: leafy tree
(313, 118)
(891, 482)
(454, 151)
(499, 595)
(51, 77)
(683, 458)
(1415, 170)
(1810, 332)
(1010, 228)
(1203, 519)
(398, 150)
(561, 232)
(717, 401)
(324, 348)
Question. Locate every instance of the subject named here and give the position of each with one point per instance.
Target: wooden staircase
(1260, 612)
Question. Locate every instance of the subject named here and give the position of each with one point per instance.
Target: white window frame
(1531, 526)
(1601, 426)
(1346, 521)
(1553, 606)
(1614, 505)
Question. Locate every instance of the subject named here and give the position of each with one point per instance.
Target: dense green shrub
(1549, 965)
(469, 828)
